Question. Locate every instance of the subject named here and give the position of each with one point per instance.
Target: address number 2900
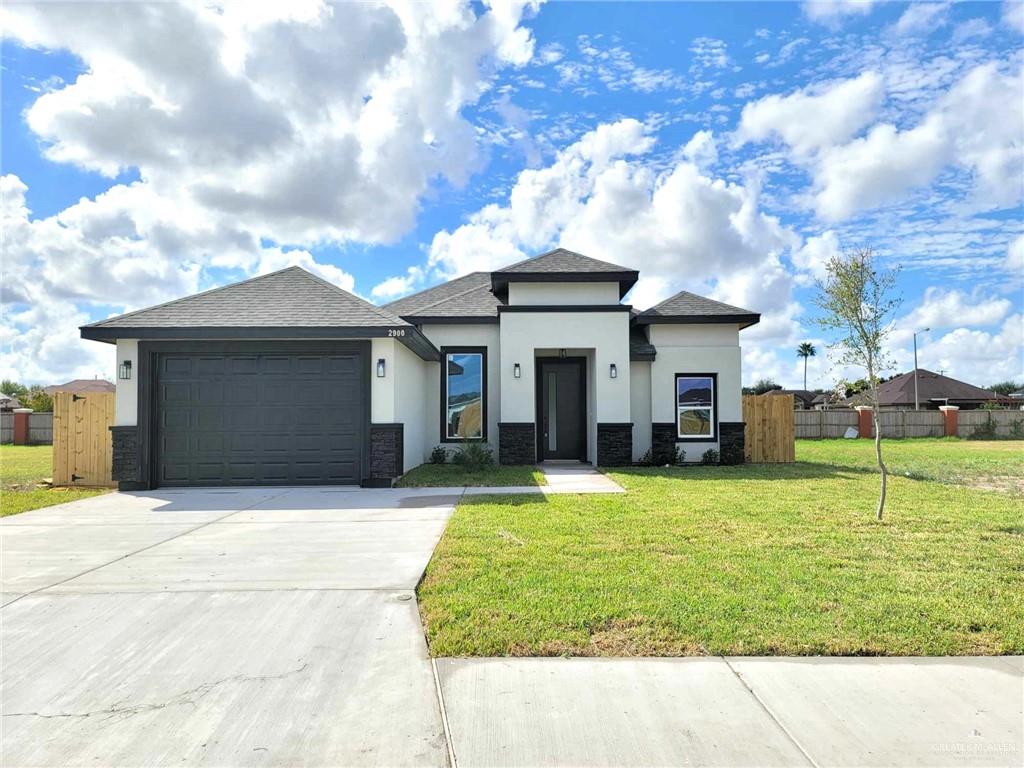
(396, 332)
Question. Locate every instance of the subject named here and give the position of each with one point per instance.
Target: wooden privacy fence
(769, 429)
(81, 438)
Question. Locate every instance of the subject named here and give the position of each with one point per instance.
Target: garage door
(259, 418)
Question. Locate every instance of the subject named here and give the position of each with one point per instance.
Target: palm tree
(805, 350)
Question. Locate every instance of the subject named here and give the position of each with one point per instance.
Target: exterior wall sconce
(613, 371)
(380, 368)
(562, 352)
(124, 370)
(516, 370)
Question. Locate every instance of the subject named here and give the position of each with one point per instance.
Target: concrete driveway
(220, 627)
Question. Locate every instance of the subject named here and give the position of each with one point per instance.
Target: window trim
(445, 351)
(713, 437)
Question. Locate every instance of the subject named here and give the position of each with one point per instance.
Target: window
(696, 395)
(464, 394)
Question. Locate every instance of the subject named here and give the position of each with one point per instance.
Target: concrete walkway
(735, 711)
(568, 477)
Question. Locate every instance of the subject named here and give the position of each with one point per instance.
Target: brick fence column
(21, 425)
(950, 419)
(864, 423)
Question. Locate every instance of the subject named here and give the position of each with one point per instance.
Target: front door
(561, 418)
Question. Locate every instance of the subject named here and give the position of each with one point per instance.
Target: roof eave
(625, 278)
(742, 320)
(411, 338)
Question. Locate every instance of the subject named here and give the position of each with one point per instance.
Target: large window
(464, 394)
(696, 400)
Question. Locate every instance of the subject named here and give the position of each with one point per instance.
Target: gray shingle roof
(561, 260)
(290, 297)
(686, 307)
(467, 296)
(639, 347)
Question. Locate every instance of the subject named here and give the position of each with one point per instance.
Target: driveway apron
(241, 627)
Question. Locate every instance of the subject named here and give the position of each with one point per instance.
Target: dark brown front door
(562, 411)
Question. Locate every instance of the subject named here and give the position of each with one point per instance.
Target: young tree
(1006, 387)
(857, 303)
(805, 350)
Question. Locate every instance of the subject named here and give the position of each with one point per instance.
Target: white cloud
(257, 131)
(922, 18)
(326, 125)
(1013, 15)
(395, 287)
(971, 29)
(975, 126)
(831, 12)
(710, 52)
(942, 308)
(980, 357)
(1015, 259)
(813, 257)
(701, 149)
(604, 197)
(813, 118)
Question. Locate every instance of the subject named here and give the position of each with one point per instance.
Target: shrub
(986, 431)
(474, 457)
(710, 456)
(439, 455)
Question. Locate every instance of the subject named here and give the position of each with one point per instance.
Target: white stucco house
(287, 379)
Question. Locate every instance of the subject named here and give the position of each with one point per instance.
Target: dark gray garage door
(259, 418)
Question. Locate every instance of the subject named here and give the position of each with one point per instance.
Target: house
(8, 402)
(803, 399)
(80, 386)
(287, 379)
(933, 390)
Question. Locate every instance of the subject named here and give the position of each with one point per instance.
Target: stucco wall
(696, 349)
(482, 335)
(563, 293)
(603, 337)
(399, 397)
(126, 395)
(640, 407)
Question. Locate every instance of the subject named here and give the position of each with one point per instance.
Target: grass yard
(988, 464)
(783, 559)
(451, 475)
(22, 471)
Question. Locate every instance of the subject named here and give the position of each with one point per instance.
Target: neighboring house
(287, 379)
(80, 386)
(933, 390)
(8, 403)
(823, 400)
(803, 399)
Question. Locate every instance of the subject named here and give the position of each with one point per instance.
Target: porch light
(124, 371)
(516, 370)
(380, 368)
(613, 372)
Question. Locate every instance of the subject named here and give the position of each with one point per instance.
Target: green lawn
(451, 475)
(995, 464)
(22, 471)
(783, 559)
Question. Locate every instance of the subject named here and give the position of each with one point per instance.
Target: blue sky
(724, 148)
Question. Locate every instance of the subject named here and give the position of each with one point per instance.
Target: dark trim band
(744, 321)
(411, 336)
(565, 308)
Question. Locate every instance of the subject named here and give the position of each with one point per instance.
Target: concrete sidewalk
(735, 711)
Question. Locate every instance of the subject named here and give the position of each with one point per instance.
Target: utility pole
(917, 404)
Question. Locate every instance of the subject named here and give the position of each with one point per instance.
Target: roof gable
(686, 307)
(288, 298)
(563, 266)
(561, 260)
